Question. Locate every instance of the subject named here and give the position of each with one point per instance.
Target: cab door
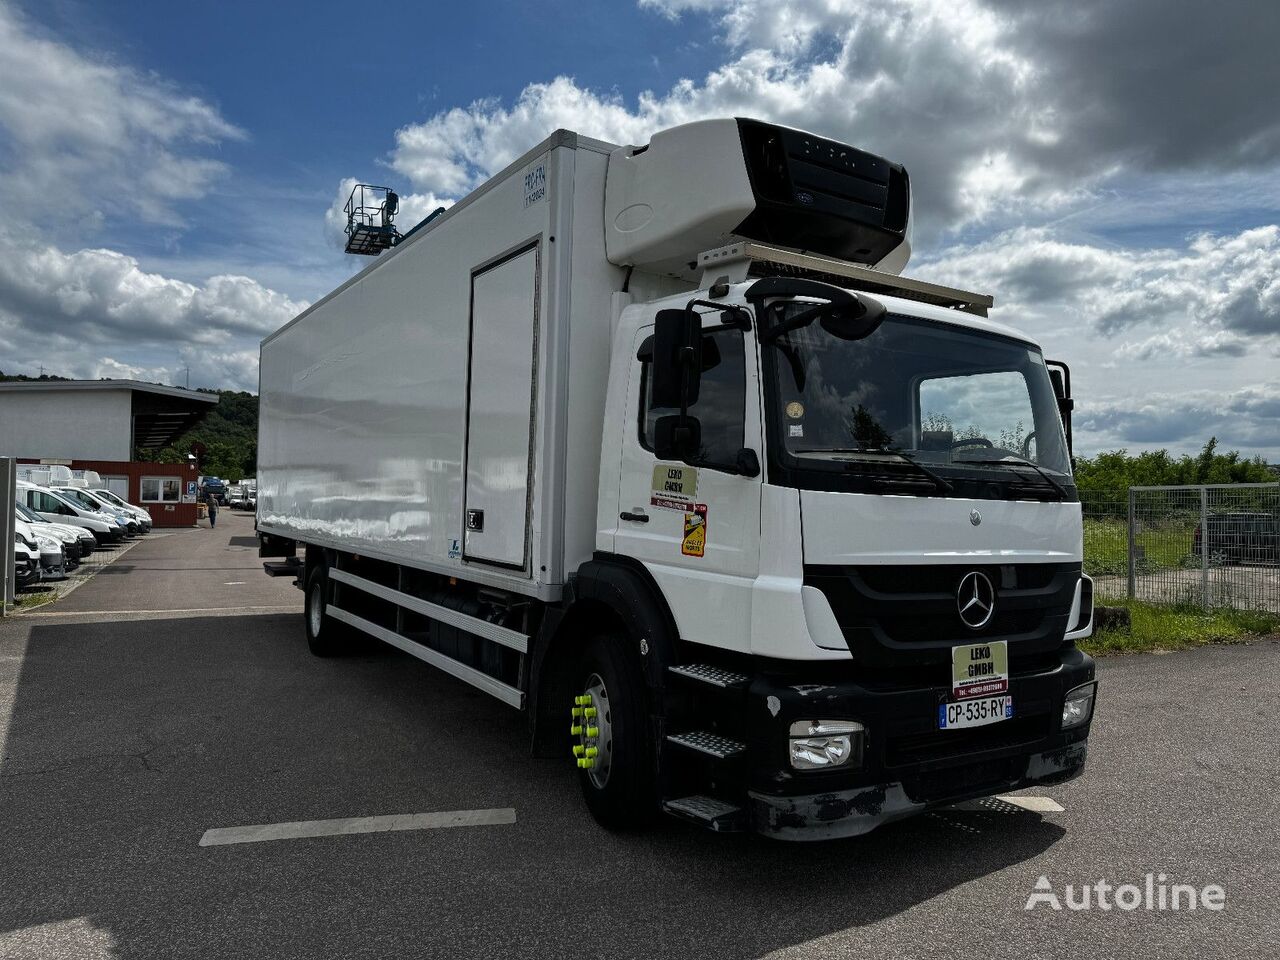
(696, 526)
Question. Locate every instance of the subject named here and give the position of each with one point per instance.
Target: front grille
(906, 615)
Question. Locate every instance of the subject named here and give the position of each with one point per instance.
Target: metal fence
(1215, 545)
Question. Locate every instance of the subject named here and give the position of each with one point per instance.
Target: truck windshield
(925, 397)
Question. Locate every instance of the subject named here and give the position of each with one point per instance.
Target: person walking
(213, 511)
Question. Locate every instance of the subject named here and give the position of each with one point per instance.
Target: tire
(326, 637)
(622, 793)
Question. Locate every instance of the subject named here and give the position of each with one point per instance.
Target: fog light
(1077, 708)
(823, 744)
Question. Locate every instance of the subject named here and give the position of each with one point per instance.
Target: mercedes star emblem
(975, 517)
(975, 599)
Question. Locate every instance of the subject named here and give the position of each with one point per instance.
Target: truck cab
(842, 497)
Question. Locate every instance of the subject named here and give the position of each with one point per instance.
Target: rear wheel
(612, 741)
(326, 637)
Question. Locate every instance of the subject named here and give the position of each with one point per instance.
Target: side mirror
(748, 463)
(1060, 377)
(849, 323)
(677, 437)
(677, 358)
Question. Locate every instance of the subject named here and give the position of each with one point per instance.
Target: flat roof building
(95, 419)
(103, 425)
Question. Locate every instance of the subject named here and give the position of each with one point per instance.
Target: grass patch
(31, 600)
(1162, 546)
(1178, 627)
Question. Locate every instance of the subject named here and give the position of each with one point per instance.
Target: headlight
(47, 545)
(822, 744)
(1077, 708)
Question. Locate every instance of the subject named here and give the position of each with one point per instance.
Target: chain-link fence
(1216, 545)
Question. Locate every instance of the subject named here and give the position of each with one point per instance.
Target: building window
(161, 489)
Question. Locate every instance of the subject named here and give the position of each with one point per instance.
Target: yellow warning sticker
(694, 541)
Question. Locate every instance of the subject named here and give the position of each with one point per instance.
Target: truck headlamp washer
(592, 727)
(975, 600)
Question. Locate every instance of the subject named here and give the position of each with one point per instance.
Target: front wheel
(326, 637)
(612, 741)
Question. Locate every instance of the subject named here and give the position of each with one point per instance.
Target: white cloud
(96, 313)
(978, 98)
(83, 135)
(1215, 291)
(1246, 419)
(1165, 343)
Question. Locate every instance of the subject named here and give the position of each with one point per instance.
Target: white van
(59, 509)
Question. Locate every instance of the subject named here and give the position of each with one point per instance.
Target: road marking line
(153, 614)
(234, 583)
(347, 825)
(1035, 804)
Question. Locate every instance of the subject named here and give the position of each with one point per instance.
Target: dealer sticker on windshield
(979, 670)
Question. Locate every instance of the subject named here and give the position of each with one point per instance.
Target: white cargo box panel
(366, 440)
(420, 413)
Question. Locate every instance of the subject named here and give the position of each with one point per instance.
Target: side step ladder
(291, 567)
(709, 813)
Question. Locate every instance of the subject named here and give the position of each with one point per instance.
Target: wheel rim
(315, 609)
(593, 731)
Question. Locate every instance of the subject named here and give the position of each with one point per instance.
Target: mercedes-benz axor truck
(657, 444)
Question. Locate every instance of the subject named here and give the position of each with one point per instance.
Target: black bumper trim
(849, 813)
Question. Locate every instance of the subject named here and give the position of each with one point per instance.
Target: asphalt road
(124, 740)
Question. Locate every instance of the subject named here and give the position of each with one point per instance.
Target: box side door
(500, 405)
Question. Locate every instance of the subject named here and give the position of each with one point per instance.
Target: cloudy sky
(170, 174)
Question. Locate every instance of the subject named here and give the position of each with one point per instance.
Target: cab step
(715, 676)
(708, 812)
(712, 744)
(283, 568)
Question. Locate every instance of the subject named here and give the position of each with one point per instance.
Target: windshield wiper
(1011, 461)
(943, 485)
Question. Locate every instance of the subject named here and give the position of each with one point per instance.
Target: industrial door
(500, 394)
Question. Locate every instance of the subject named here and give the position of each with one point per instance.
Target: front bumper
(909, 766)
(28, 572)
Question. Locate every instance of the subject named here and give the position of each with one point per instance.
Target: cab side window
(722, 397)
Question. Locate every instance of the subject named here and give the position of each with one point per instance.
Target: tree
(230, 435)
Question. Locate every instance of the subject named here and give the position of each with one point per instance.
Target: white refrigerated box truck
(656, 444)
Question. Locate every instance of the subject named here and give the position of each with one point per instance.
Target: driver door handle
(635, 517)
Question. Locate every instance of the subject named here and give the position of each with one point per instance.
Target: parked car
(26, 562)
(53, 564)
(73, 545)
(56, 508)
(132, 527)
(144, 518)
(1240, 538)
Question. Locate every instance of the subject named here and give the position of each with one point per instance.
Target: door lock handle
(636, 517)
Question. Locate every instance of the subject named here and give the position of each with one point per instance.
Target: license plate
(977, 712)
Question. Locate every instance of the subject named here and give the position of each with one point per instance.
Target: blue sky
(1108, 171)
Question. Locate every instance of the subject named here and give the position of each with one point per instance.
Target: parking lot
(173, 695)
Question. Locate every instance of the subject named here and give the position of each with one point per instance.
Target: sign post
(8, 492)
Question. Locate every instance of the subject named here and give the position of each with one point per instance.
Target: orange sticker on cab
(694, 541)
